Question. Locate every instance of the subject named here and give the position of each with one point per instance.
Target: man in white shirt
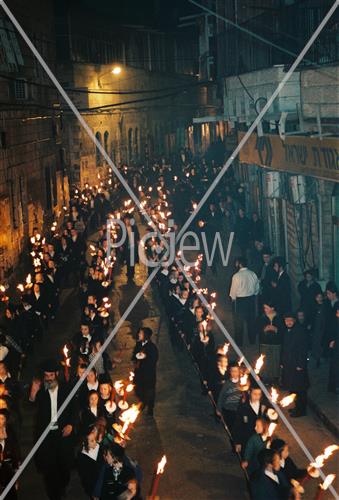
(245, 287)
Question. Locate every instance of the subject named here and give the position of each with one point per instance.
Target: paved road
(200, 462)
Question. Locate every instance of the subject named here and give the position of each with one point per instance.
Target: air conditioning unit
(273, 184)
(298, 189)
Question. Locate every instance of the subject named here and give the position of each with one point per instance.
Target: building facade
(290, 164)
(32, 184)
(138, 91)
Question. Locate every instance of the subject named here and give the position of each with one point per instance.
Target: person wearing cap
(294, 363)
(282, 286)
(267, 275)
(145, 357)
(54, 457)
(308, 289)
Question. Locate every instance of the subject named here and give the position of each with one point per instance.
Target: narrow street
(200, 462)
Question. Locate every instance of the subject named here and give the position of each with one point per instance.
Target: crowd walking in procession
(91, 434)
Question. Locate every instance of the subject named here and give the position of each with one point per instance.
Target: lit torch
(287, 400)
(67, 362)
(156, 478)
(259, 364)
(324, 486)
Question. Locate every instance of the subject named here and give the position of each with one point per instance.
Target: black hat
(289, 315)
(105, 379)
(266, 251)
(50, 365)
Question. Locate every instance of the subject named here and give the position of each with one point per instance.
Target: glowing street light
(116, 70)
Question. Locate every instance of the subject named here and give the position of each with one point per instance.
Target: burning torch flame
(243, 379)
(320, 459)
(129, 417)
(274, 395)
(259, 364)
(161, 465)
(271, 429)
(118, 385)
(20, 287)
(328, 481)
(29, 280)
(287, 400)
(65, 351)
(241, 360)
(225, 348)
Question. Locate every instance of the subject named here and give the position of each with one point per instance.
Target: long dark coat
(293, 355)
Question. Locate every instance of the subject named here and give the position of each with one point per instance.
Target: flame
(118, 385)
(68, 362)
(129, 388)
(330, 449)
(225, 348)
(287, 400)
(65, 351)
(274, 395)
(129, 417)
(21, 287)
(259, 364)
(213, 305)
(204, 324)
(243, 379)
(271, 428)
(29, 280)
(131, 376)
(241, 360)
(328, 481)
(2, 288)
(161, 465)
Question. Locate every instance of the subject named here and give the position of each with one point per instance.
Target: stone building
(290, 164)
(32, 189)
(138, 89)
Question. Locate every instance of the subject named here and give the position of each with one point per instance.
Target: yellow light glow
(116, 70)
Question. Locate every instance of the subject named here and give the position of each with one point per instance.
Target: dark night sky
(156, 13)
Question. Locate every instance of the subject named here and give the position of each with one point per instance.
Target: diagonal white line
(259, 117)
(78, 384)
(256, 378)
(74, 109)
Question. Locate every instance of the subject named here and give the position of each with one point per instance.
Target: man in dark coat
(129, 247)
(281, 286)
(145, 357)
(55, 456)
(294, 363)
(308, 289)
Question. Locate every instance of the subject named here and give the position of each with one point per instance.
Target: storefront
(293, 185)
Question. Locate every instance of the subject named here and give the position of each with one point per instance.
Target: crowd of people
(92, 431)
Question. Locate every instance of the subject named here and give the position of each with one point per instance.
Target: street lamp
(116, 70)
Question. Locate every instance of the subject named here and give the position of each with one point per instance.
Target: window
(130, 144)
(48, 188)
(97, 150)
(20, 89)
(23, 198)
(14, 204)
(106, 136)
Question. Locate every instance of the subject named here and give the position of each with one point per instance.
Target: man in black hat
(294, 363)
(55, 456)
(308, 288)
(145, 357)
(281, 286)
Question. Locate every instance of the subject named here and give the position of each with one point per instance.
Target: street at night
(169, 250)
